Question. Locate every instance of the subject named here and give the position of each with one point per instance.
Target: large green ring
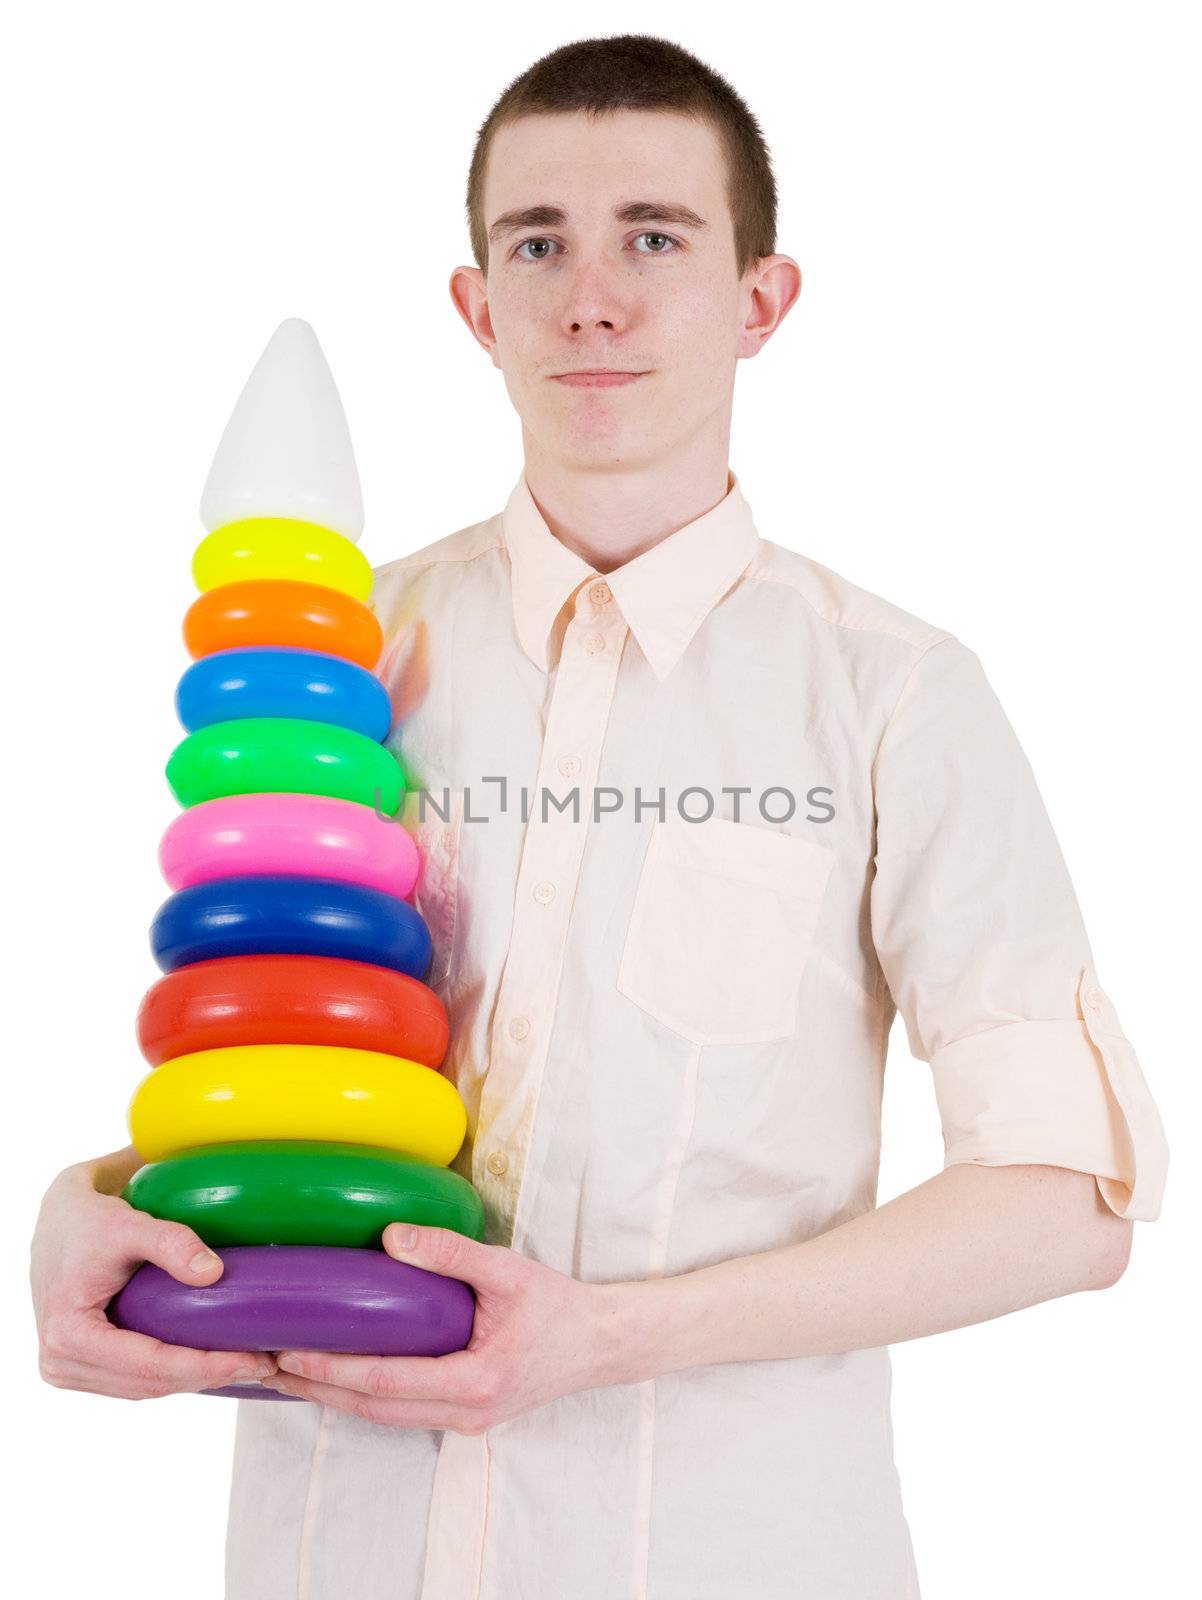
(293, 1191)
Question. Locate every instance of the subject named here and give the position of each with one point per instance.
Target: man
(670, 1033)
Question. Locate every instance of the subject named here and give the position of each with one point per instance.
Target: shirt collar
(664, 594)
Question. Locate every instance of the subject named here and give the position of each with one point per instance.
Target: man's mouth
(601, 378)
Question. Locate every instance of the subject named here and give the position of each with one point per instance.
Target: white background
(984, 407)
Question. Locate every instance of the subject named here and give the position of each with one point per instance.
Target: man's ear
(469, 293)
(773, 288)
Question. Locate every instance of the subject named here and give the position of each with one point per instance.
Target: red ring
(291, 999)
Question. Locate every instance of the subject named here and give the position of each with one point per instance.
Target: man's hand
(538, 1334)
(86, 1245)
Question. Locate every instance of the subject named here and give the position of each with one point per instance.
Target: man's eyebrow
(633, 211)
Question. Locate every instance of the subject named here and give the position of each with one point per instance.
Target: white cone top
(286, 450)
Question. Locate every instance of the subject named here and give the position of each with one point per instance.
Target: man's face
(654, 294)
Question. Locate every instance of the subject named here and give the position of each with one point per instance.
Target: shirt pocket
(436, 893)
(721, 928)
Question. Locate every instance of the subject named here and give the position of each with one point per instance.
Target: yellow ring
(281, 547)
(297, 1091)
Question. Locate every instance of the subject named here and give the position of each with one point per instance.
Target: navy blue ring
(276, 681)
(266, 915)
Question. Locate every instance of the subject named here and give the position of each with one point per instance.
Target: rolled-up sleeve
(981, 941)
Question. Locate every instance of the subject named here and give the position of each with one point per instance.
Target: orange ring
(283, 611)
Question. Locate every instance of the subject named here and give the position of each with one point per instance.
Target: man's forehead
(550, 158)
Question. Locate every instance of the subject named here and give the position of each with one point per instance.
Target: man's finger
(391, 1413)
(149, 1360)
(174, 1247)
(453, 1379)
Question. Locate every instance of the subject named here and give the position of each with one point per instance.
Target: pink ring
(303, 835)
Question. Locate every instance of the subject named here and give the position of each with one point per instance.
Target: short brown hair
(636, 72)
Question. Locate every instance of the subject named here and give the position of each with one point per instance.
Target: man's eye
(667, 237)
(543, 256)
(525, 242)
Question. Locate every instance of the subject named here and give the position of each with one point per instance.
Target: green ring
(253, 755)
(292, 1191)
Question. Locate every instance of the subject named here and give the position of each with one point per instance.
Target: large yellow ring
(297, 1091)
(281, 547)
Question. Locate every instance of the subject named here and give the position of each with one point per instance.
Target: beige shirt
(670, 1037)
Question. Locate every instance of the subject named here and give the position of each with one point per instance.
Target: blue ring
(281, 915)
(274, 681)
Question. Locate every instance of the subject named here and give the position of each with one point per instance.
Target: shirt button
(594, 642)
(600, 594)
(569, 766)
(497, 1163)
(519, 1028)
(1093, 999)
(544, 892)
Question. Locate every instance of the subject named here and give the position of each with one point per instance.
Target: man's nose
(594, 299)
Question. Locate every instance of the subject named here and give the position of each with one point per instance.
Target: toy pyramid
(294, 1105)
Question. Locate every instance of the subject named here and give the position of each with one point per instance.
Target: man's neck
(609, 517)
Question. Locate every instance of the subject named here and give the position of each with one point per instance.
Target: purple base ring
(302, 1297)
